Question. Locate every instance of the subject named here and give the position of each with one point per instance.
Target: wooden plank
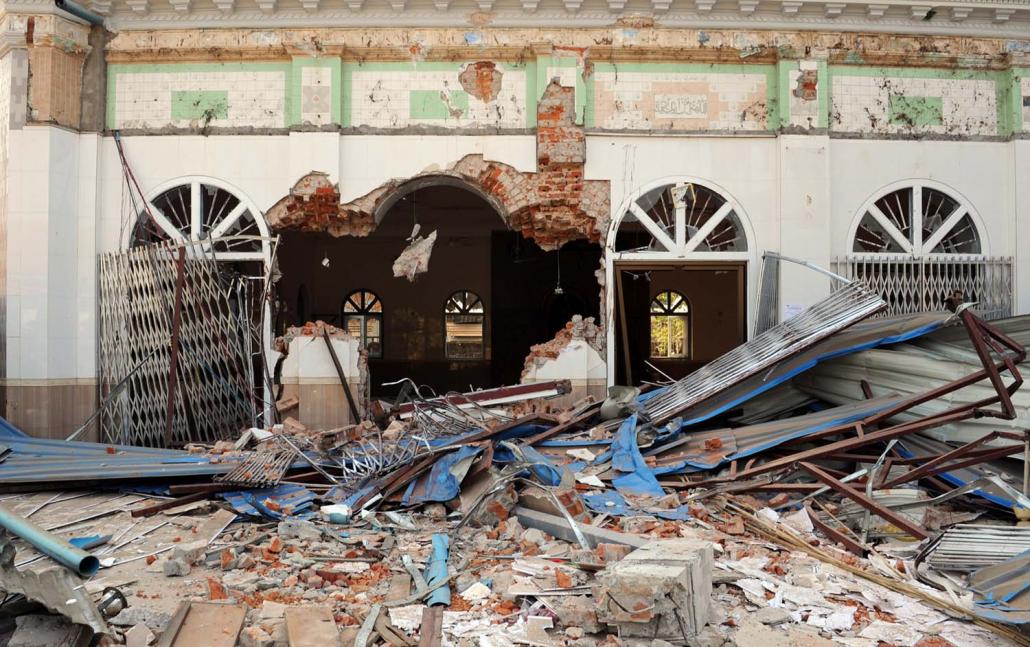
(154, 508)
(431, 631)
(211, 624)
(400, 587)
(311, 627)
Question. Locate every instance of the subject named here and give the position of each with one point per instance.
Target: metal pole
(49, 544)
(343, 377)
(180, 278)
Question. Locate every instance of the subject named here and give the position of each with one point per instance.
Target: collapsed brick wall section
(551, 206)
(578, 328)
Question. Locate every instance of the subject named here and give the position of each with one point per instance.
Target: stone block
(661, 590)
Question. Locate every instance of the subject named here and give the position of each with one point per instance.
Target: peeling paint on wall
(482, 80)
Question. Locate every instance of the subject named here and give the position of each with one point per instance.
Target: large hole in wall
(431, 330)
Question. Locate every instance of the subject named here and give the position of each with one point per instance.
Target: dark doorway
(672, 319)
(467, 322)
(539, 292)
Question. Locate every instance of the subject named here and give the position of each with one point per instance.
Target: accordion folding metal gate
(165, 296)
(910, 285)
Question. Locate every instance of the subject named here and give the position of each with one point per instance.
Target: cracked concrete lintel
(56, 588)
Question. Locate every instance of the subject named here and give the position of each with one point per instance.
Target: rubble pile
(731, 507)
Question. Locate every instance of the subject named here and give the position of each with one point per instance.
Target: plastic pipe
(47, 543)
(437, 571)
(79, 12)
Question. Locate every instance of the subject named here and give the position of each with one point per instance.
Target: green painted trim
(346, 90)
(397, 66)
(783, 70)
(589, 116)
(532, 98)
(708, 68)
(823, 90)
(112, 96)
(151, 68)
(1014, 101)
(295, 95)
(774, 110)
(913, 72)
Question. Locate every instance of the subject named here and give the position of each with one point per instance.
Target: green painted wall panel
(433, 104)
(200, 104)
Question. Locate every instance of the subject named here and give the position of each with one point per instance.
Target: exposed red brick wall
(552, 206)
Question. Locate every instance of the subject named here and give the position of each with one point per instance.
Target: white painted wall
(981, 172)
(67, 201)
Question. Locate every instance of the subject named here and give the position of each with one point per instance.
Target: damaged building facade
(485, 193)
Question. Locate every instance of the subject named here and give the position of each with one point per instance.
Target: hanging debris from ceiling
(414, 260)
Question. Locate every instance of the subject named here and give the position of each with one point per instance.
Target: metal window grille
(214, 396)
(910, 284)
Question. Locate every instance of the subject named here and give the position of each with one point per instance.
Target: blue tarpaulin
(440, 484)
(287, 500)
(634, 476)
(616, 505)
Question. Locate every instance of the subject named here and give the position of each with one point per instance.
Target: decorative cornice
(52, 28)
(969, 18)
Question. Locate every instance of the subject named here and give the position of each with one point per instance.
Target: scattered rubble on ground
(727, 508)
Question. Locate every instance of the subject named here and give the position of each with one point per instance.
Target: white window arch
(918, 218)
(204, 208)
(918, 242)
(675, 219)
(679, 219)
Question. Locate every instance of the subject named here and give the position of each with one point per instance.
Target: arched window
(917, 220)
(679, 220)
(918, 242)
(201, 208)
(464, 317)
(363, 319)
(670, 326)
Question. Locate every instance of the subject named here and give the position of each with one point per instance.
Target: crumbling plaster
(639, 41)
(551, 206)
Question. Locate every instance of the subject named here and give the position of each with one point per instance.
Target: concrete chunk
(661, 590)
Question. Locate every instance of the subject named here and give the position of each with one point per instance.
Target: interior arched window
(363, 320)
(670, 326)
(464, 318)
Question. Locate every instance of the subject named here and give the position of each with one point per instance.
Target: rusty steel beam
(971, 410)
(983, 351)
(834, 534)
(861, 499)
(173, 359)
(355, 416)
(937, 465)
